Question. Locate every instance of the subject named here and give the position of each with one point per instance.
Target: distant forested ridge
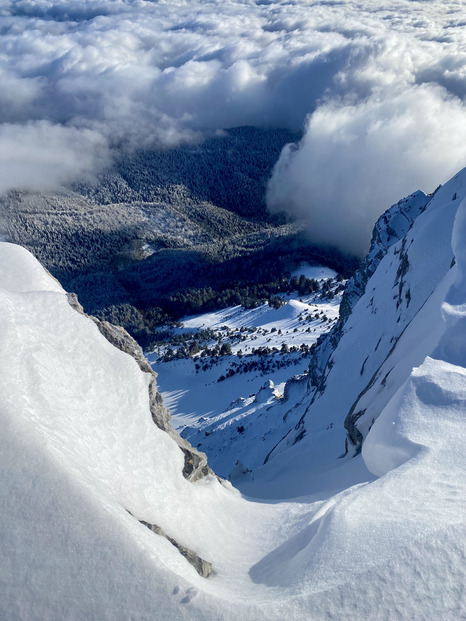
(167, 233)
(229, 170)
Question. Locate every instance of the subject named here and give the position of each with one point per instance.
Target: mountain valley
(351, 472)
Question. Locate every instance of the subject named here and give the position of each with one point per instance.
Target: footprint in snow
(187, 596)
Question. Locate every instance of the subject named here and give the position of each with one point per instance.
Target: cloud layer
(356, 160)
(382, 86)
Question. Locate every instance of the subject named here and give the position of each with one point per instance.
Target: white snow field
(300, 320)
(379, 536)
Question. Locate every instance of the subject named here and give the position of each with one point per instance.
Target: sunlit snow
(81, 460)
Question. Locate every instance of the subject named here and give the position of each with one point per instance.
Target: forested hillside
(169, 232)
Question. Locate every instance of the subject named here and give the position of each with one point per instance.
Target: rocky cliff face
(306, 397)
(388, 230)
(389, 320)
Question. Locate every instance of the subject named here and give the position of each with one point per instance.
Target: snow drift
(82, 462)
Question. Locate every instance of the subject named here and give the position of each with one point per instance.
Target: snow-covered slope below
(390, 320)
(378, 536)
(254, 430)
(214, 398)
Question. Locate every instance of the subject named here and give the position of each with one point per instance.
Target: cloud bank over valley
(378, 87)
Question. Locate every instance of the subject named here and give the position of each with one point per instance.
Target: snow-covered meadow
(191, 387)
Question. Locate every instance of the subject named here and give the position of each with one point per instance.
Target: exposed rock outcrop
(203, 568)
(266, 392)
(195, 462)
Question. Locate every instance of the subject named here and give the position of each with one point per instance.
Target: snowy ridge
(393, 326)
(377, 536)
(79, 451)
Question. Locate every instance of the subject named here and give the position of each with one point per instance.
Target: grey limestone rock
(195, 462)
(203, 568)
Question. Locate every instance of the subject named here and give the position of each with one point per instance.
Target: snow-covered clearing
(192, 393)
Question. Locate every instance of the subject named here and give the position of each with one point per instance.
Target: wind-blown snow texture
(79, 452)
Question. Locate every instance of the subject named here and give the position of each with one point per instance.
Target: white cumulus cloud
(356, 160)
(146, 73)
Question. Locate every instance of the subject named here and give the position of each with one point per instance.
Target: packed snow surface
(81, 463)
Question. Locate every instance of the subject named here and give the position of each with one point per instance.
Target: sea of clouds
(378, 88)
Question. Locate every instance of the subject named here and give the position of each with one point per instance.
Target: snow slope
(360, 340)
(378, 536)
(390, 321)
(201, 405)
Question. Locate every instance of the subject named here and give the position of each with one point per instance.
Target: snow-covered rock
(81, 412)
(389, 229)
(391, 320)
(195, 462)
